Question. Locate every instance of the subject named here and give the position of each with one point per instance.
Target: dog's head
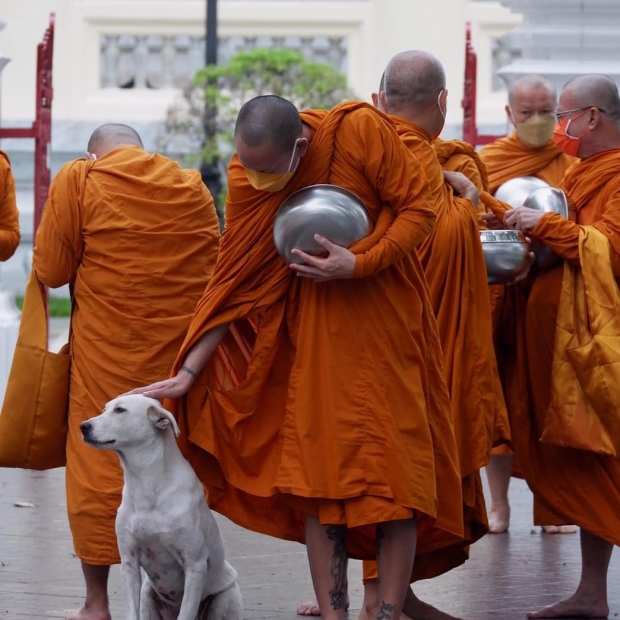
(127, 421)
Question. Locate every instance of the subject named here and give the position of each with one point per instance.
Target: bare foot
(559, 529)
(499, 519)
(90, 614)
(415, 608)
(365, 615)
(574, 607)
(311, 608)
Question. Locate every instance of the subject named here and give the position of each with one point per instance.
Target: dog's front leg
(195, 578)
(132, 584)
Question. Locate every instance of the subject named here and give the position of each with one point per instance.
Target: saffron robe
(326, 398)
(9, 216)
(138, 238)
(453, 263)
(580, 487)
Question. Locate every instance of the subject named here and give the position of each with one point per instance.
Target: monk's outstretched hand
(523, 219)
(170, 388)
(340, 263)
(462, 186)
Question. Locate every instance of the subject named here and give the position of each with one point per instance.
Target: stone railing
(171, 61)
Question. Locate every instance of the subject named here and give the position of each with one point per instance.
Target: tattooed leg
(396, 543)
(327, 554)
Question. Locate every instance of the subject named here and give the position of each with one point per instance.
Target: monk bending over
(137, 237)
(528, 151)
(9, 216)
(344, 359)
(582, 487)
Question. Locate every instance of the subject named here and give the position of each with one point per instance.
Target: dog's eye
(120, 410)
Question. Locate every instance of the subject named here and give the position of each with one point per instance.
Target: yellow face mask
(536, 131)
(270, 181)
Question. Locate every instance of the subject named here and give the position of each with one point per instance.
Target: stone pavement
(506, 576)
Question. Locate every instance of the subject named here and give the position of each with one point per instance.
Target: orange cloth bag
(585, 394)
(33, 422)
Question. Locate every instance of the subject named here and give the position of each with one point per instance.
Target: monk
(580, 486)
(9, 216)
(345, 359)
(528, 151)
(137, 238)
(415, 97)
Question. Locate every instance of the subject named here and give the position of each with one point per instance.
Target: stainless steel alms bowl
(328, 210)
(515, 191)
(549, 200)
(505, 254)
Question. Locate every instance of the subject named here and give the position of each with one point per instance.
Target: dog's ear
(162, 418)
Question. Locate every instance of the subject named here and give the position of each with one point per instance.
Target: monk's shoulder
(364, 122)
(5, 162)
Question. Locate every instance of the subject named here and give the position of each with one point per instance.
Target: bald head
(413, 79)
(597, 91)
(529, 85)
(111, 136)
(269, 120)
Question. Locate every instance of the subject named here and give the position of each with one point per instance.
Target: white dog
(163, 525)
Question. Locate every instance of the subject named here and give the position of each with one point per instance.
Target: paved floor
(506, 575)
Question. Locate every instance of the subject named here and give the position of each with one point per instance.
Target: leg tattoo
(338, 593)
(386, 611)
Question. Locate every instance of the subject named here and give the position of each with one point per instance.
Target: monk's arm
(58, 242)
(200, 353)
(562, 235)
(9, 216)
(399, 180)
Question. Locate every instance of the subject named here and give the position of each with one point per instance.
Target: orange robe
(505, 159)
(138, 239)
(342, 410)
(460, 156)
(9, 216)
(453, 263)
(579, 487)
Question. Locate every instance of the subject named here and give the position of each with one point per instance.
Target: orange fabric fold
(312, 420)
(138, 238)
(567, 481)
(507, 158)
(9, 216)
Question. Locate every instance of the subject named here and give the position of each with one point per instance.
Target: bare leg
(96, 603)
(396, 543)
(327, 554)
(499, 471)
(590, 599)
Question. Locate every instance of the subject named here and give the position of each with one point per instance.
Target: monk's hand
(462, 186)
(170, 388)
(526, 272)
(340, 263)
(493, 222)
(523, 219)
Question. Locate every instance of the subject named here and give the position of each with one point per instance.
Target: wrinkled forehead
(534, 97)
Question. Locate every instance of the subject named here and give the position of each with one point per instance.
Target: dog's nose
(86, 427)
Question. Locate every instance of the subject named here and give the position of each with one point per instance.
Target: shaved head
(527, 85)
(413, 79)
(594, 90)
(269, 120)
(110, 136)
